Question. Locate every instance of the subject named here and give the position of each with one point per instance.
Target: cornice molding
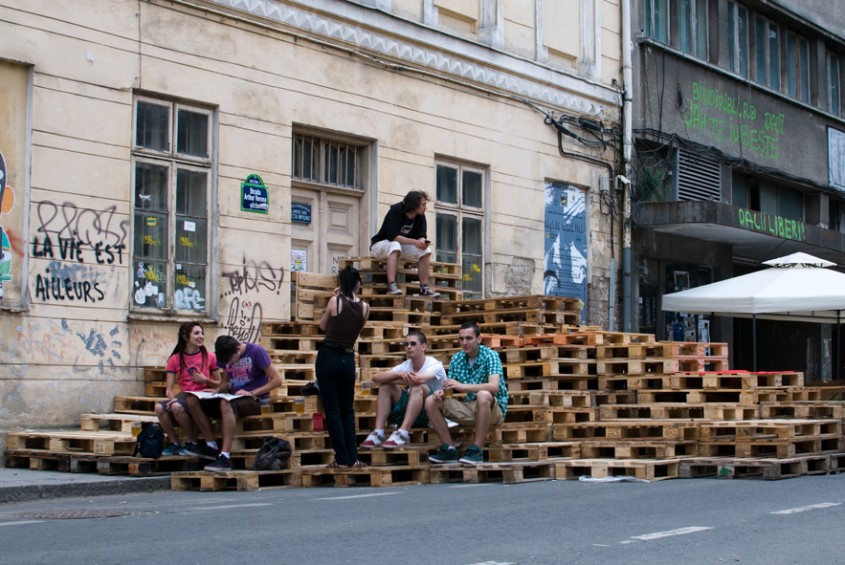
(423, 48)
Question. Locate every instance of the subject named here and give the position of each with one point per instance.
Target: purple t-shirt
(247, 373)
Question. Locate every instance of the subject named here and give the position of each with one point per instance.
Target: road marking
(806, 508)
(355, 496)
(21, 522)
(668, 534)
(493, 563)
(227, 506)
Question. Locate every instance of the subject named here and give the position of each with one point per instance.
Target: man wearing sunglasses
(402, 392)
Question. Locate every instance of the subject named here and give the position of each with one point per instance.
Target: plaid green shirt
(487, 363)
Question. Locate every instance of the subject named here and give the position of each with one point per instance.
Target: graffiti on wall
(82, 344)
(7, 202)
(565, 272)
(729, 118)
(79, 242)
(774, 225)
(245, 284)
(101, 231)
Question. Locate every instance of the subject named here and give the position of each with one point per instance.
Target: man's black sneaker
(202, 451)
(222, 463)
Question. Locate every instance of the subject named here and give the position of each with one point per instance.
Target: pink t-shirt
(191, 361)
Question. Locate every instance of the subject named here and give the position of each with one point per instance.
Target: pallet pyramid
(583, 401)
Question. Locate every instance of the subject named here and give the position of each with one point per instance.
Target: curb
(26, 493)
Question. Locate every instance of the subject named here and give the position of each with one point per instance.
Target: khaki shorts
(464, 412)
(381, 249)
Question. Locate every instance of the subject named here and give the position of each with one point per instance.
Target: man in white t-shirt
(402, 392)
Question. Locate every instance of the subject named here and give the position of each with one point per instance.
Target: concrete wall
(339, 66)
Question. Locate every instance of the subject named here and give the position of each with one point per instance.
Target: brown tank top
(343, 330)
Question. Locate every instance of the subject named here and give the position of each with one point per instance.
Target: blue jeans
(336, 376)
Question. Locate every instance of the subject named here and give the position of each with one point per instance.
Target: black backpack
(273, 455)
(150, 442)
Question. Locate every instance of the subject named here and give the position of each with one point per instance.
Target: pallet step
(646, 469)
(507, 473)
(366, 476)
(768, 469)
(234, 480)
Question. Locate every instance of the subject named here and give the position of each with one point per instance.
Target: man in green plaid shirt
(477, 371)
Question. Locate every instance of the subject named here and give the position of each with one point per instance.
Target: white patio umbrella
(797, 287)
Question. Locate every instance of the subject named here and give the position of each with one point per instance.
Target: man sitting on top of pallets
(403, 233)
(476, 370)
(402, 392)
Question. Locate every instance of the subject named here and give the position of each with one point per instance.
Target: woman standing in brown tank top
(342, 321)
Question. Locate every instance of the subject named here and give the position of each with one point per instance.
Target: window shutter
(699, 177)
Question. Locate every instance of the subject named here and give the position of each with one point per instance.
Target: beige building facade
(173, 160)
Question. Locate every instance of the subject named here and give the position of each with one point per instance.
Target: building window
(737, 39)
(460, 223)
(797, 67)
(834, 85)
(835, 212)
(767, 53)
(328, 162)
(172, 166)
(657, 20)
(692, 27)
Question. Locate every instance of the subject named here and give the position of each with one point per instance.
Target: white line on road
(668, 533)
(805, 508)
(227, 506)
(21, 522)
(355, 496)
(493, 563)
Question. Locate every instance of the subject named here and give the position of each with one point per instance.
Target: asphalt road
(693, 521)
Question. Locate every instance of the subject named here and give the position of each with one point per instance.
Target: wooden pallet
(582, 383)
(628, 430)
(778, 448)
(803, 409)
(651, 381)
(769, 469)
(553, 398)
(508, 473)
(366, 476)
(136, 404)
(70, 442)
(646, 469)
(145, 467)
(752, 430)
(604, 449)
(113, 422)
(234, 480)
(45, 460)
(533, 452)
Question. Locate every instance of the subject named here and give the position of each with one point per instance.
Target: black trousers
(336, 376)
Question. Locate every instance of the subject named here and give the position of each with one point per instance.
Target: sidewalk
(19, 485)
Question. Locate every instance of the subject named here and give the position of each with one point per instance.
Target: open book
(204, 394)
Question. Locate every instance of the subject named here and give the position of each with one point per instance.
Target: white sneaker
(426, 290)
(396, 440)
(393, 288)
(373, 440)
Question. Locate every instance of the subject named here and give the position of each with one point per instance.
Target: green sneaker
(171, 450)
(472, 456)
(445, 455)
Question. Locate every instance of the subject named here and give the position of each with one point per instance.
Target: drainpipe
(627, 83)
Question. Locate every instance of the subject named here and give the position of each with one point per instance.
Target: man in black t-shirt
(403, 233)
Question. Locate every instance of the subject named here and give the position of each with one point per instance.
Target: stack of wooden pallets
(583, 401)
